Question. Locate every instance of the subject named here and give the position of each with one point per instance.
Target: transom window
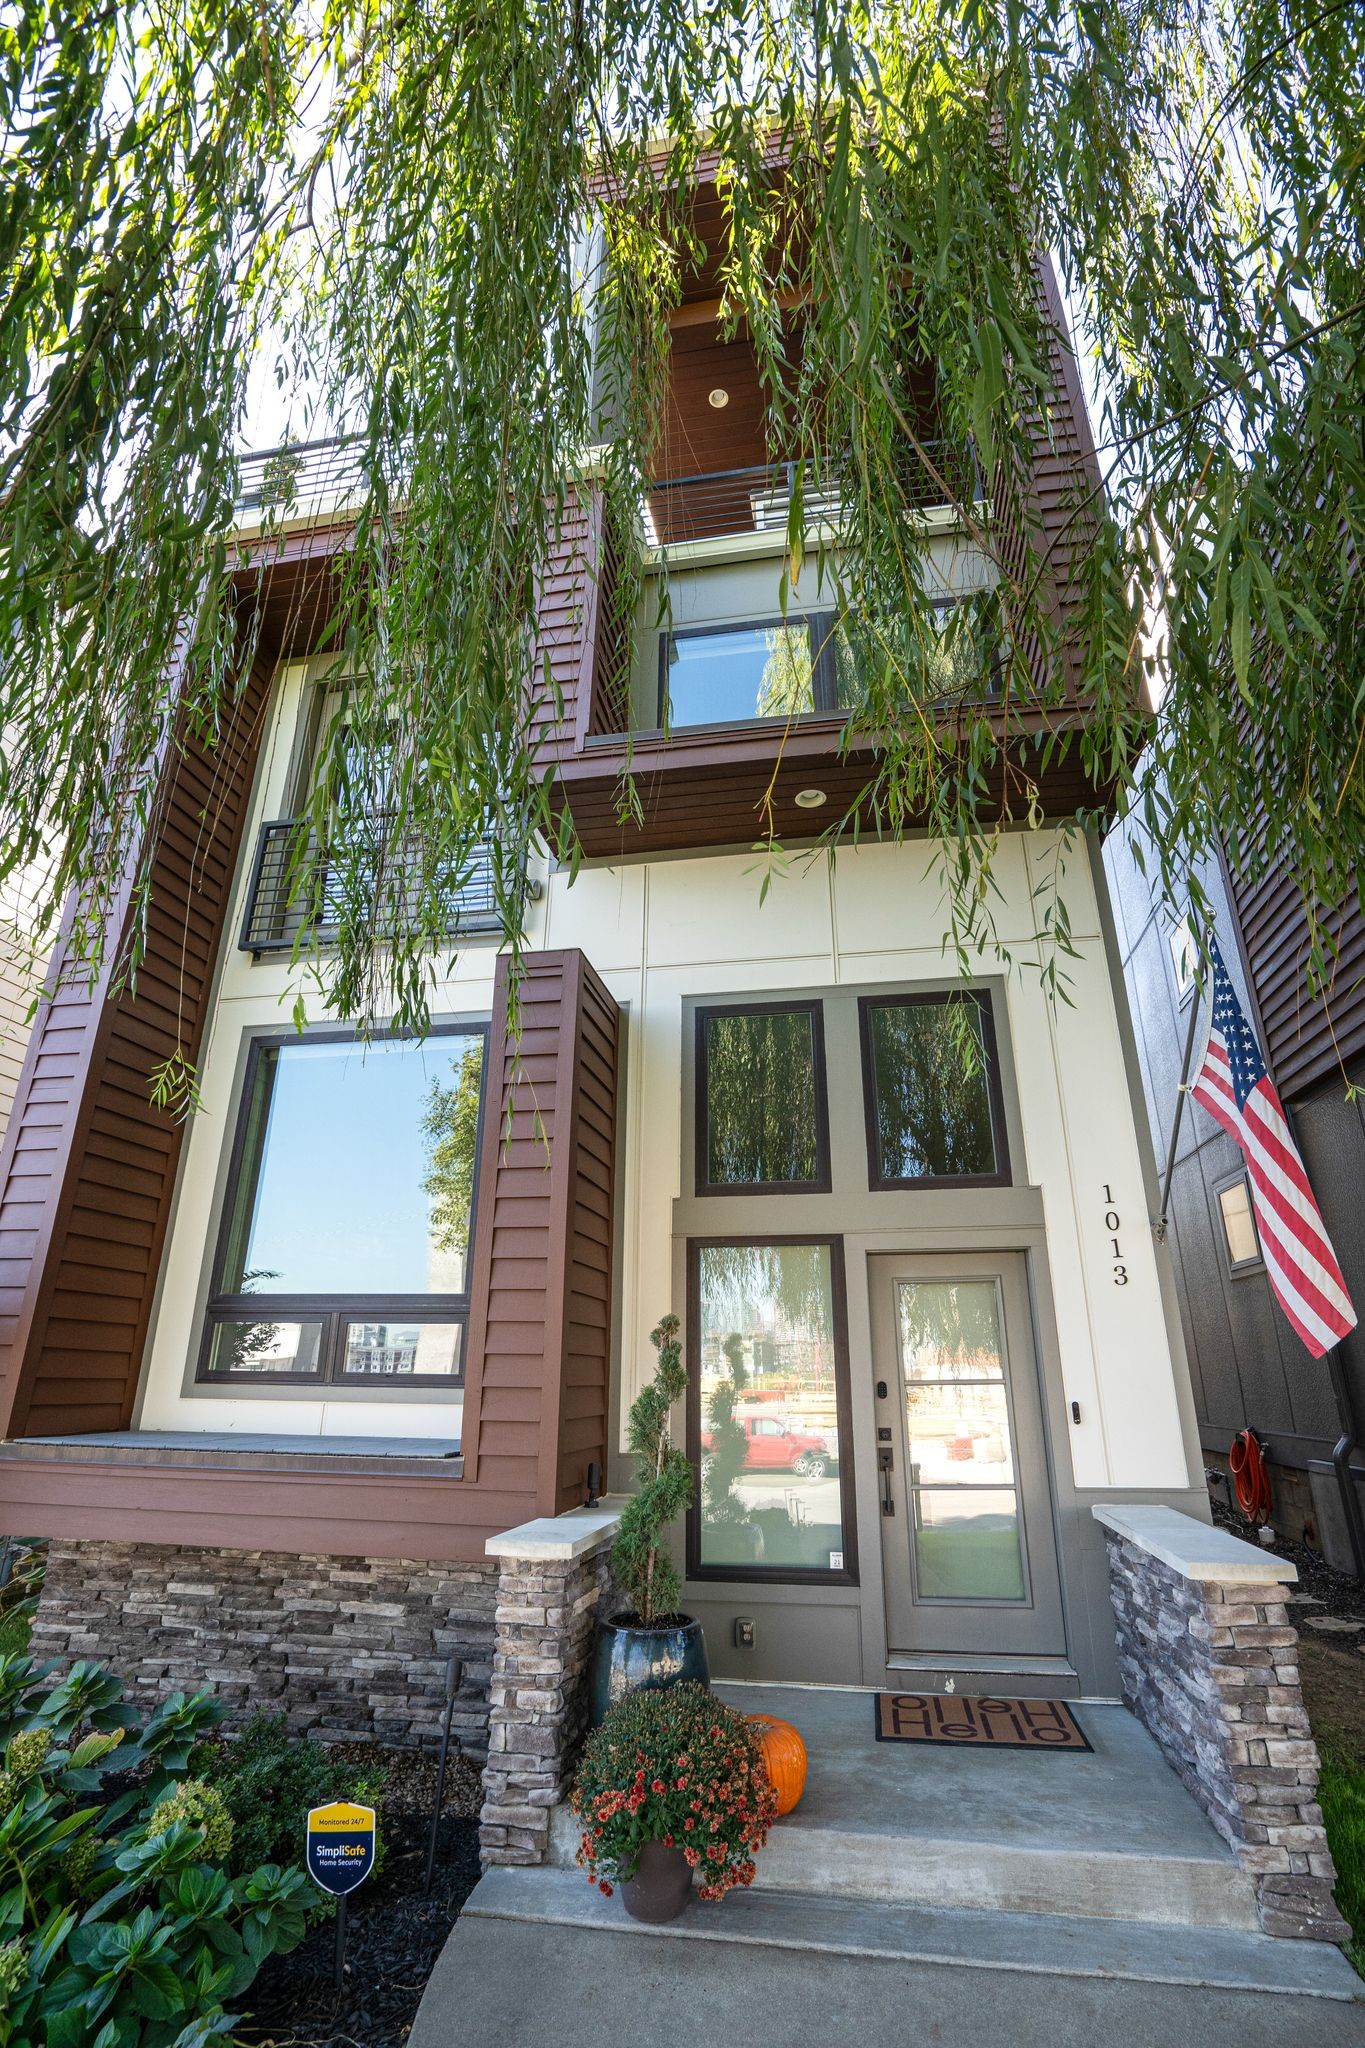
(344, 1253)
(762, 1123)
(932, 1091)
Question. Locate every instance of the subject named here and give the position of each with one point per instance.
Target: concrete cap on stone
(558, 1539)
(1194, 1549)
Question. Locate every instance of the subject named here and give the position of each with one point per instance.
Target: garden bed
(396, 1930)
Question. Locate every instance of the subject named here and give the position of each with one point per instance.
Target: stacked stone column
(554, 1579)
(1209, 1661)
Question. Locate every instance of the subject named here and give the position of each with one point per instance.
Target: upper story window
(344, 1253)
(736, 673)
(931, 1087)
(762, 1121)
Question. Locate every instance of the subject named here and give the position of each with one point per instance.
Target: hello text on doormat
(977, 1723)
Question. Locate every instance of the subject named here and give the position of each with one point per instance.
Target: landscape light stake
(454, 1674)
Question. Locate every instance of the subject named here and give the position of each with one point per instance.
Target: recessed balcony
(285, 904)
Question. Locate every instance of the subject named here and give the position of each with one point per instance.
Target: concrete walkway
(514, 1984)
(919, 1897)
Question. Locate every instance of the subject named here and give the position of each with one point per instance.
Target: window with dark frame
(750, 671)
(343, 1256)
(762, 1119)
(931, 1091)
(768, 1401)
(1241, 1239)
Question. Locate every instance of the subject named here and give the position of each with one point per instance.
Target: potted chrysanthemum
(673, 1783)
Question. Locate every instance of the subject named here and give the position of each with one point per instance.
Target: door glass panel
(739, 672)
(771, 1497)
(959, 1433)
(930, 1090)
(961, 1480)
(967, 1544)
(758, 1080)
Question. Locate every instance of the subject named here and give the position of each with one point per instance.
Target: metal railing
(283, 904)
(759, 500)
(302, 478)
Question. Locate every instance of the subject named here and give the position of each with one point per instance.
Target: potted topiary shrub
(649, 1644)
(672, 1783)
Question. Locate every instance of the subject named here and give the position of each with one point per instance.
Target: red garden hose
(1251, 1481)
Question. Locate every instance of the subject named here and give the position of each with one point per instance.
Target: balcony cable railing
(758, 499)
(286, 900)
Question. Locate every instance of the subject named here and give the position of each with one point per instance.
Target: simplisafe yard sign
(340, 1846)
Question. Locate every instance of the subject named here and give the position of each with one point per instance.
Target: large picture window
(737, 674)
(770, 1421)
(344, 1253)
(931, 1089)
(762, 1121)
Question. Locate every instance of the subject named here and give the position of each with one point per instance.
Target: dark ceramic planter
(631, 1658)
(661, 1886)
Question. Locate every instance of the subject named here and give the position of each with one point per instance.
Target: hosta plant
(118, 1927)
(679, 1768)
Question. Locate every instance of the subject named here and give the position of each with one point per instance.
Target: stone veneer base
(348, 1648)
(1209, 1661)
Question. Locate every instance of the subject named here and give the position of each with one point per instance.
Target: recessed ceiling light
(720, 399)
(809, 799)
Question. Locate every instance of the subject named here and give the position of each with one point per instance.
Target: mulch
(395, 1931)
(1340, 1595)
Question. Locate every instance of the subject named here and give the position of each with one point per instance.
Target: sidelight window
(344, 1254)
(769, 1394)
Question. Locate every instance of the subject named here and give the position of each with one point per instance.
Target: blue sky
(342, 1208)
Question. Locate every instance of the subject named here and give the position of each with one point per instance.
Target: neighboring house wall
(22, 969)
(1247, 1367)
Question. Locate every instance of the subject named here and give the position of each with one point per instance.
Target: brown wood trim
(595, 564)
(348, 1511)
(97, 1176)
(492, 1112)
(560, 1165)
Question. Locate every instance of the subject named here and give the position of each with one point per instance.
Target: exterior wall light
(809, 799)
(720, 399)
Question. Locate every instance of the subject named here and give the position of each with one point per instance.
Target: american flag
(1233, 1086)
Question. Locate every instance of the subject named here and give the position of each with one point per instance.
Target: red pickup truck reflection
(771, 1445)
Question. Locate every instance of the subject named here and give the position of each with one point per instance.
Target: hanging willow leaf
(408, 211)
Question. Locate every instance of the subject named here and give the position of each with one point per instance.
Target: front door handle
(886, 1465)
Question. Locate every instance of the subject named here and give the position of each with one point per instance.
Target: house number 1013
(1111, 1228)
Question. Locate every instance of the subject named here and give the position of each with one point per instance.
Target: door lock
(886, 1462)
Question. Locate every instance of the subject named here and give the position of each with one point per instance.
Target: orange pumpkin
(784, 1755)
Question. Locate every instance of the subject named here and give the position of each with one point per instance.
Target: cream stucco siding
(662, 931)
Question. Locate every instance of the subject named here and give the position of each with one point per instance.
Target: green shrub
(663, 1475)
(269, 1780)
(118, 1928)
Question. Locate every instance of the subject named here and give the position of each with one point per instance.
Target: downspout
(1341, 1461)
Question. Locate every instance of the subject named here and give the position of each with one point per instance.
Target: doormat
(977, 1724)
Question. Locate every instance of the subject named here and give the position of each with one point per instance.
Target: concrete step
(826, 1861)
(1022, 1943)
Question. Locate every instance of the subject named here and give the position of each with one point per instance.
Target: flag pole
(1180, 1094)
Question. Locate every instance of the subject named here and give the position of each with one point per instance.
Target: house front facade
(273, 1381)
